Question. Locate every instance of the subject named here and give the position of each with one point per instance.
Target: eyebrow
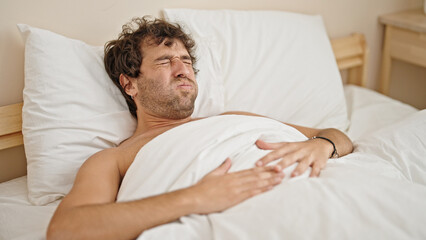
(164, 57)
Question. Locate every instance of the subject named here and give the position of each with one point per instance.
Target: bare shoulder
(102, 162)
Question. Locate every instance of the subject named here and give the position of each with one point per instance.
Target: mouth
(185, 86)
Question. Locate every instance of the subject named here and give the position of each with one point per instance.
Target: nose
(179, 68)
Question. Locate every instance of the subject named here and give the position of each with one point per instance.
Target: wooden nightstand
(405, 40)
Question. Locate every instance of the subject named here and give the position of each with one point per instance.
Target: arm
(313, 152)
(89, 211)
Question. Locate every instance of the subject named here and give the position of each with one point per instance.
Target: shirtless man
(153, 67)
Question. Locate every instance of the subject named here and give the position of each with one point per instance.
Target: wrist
(332, 147)
(189, 200)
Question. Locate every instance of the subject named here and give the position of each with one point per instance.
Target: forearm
(341, 141)
(124, 220)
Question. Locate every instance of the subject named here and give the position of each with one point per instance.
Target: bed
(389, 136)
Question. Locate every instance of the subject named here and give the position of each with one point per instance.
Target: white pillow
(210, 99)
(73, 110)
(277, 64)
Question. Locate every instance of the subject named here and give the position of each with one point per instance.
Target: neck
(148, 122)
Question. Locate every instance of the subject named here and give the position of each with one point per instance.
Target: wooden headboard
(11, 126)
(351, 54)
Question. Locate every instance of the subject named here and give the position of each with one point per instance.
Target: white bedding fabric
(368, 111)
(378, 192)
(173, 161)
(19, 219)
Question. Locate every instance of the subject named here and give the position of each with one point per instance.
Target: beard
(168, 101)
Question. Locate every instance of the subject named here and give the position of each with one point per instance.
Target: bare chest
(130, 148)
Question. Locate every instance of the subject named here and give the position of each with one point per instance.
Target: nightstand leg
(386, 62)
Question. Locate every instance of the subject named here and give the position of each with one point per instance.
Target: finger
(315, 171)
(288, 160)
(267, 146)
(272, 156)
(257, 183)
(250, 178)
(251, 193)
(255, 172)
(301, 168)
(223, 168)
(267, 175)
(255, 191)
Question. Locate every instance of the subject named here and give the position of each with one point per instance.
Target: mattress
(368, 111)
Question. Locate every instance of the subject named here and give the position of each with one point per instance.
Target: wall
(97, 21)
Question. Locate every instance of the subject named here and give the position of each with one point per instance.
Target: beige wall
(96, 21)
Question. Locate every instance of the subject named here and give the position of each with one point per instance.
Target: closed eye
(163, 62)
(189, 62)
(186, 59)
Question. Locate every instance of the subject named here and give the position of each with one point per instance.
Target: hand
(220, 190)
(313, 153)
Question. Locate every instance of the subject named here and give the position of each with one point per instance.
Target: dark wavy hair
(124, 55)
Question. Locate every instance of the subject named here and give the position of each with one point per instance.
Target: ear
(129, 85)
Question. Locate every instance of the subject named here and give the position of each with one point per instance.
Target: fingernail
(278, 167)
(295, 174)
(259, 164)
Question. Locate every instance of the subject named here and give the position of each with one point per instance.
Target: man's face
(166, 85)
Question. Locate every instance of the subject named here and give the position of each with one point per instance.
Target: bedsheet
(369, 110)
(19, 219)
(377, 192)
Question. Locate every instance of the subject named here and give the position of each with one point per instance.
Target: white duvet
(377, 192)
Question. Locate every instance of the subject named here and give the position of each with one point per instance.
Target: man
(153, 67)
